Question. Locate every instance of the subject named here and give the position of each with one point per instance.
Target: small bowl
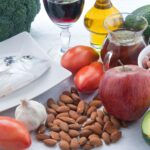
(142, 55)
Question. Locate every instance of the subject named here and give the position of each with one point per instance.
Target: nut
(81, 107)
(75, 126)
(115, 136)
(50, 142)
(96, 103)
(41, 129)
(42, 137)
(100, 120)
(75, 97)
(57, 122)
(106, 119)
(115, 122)
(81, 119)
(50, 101)
(54, 106)
(55, 136)
(95, 141)
(65, 136)
(93, 115)
(74, 133)
(50, 118)
(66, 93)
(72, 107)
(55, 128)
(66, 99)
(62, 109)
(74, 145)
(82, 141)
(74, 90)
(64, 145)
(87, 146)
(64, 126)
(60, 103)
(88, 122)
(73, 114)
(67, 120)
(96, 128)
(106, 137)
(65, 114)
(51, 111)
(100, 114)
(85, 133)
(109, 127)
(90, 110)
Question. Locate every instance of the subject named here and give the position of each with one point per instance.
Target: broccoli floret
(16, 16)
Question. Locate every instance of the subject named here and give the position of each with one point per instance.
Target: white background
(47, 34)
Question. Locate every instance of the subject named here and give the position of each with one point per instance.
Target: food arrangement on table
(109, 89)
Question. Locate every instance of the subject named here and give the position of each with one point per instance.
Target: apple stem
(123, 67)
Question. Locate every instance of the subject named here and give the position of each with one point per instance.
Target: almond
(75, 126)
(50, 118)
(42, 137)
(85, 133)
(66, 99)
(73, 114)
(106, 119)
(87, 146)
(54, 106)
(81, 119)
(55, 128)
(51, 111)
(75, 98)
(89, 122)
(82, 141)
(100, 114)
(109, 127)
(93, 115)
(65, 136)
(90, 110)
(50, 101)
(66, 93)
(81, 107)
(92, 136)
(115, 122)
(96, 103)
(106, 137)
(64, 145)
(100, 120)
(86, 108)
(72, 107)
(62, 109)
(115, 136)
(74, 133)
(96, 128)
(57, 122)
(41, 129)
(74, 145)
(55, 135)
(50, 142)
(64, 126)
(65, 114)
(95, 141)
(60, 103)
(67, 120)
(74, 90)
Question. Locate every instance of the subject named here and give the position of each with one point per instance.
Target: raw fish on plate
(17, 72)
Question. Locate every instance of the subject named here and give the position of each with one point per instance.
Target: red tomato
(88, 78)
(78, 57)
(13, 135)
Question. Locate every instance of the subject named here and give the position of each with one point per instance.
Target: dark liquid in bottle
(64, 12)
(127, 51)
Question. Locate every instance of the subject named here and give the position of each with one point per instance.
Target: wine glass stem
(65, 39)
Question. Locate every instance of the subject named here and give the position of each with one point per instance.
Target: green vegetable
(145, 12)
(16, 16)
(146, 127)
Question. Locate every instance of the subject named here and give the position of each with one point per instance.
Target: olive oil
(94, 20)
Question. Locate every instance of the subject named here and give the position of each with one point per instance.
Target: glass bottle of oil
(94, 20)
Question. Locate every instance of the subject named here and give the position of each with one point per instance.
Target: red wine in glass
(64, 11)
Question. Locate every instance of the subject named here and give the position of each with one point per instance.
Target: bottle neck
(103, 4)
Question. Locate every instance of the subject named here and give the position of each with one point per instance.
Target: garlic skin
(31, 113)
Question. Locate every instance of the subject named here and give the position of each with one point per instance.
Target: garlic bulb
(31, 113)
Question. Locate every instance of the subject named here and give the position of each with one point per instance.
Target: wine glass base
(56, 54)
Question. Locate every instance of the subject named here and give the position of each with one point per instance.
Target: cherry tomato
(88, 78)
(78, 57)
(13, 135)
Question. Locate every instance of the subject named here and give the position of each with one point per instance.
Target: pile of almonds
(75, 124)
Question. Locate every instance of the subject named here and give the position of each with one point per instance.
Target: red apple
(126, 92)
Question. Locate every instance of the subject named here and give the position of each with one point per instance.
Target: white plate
(14, 46)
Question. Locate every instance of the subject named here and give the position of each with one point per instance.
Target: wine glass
(64, 13)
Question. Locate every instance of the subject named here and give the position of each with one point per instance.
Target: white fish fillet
(16, 73)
